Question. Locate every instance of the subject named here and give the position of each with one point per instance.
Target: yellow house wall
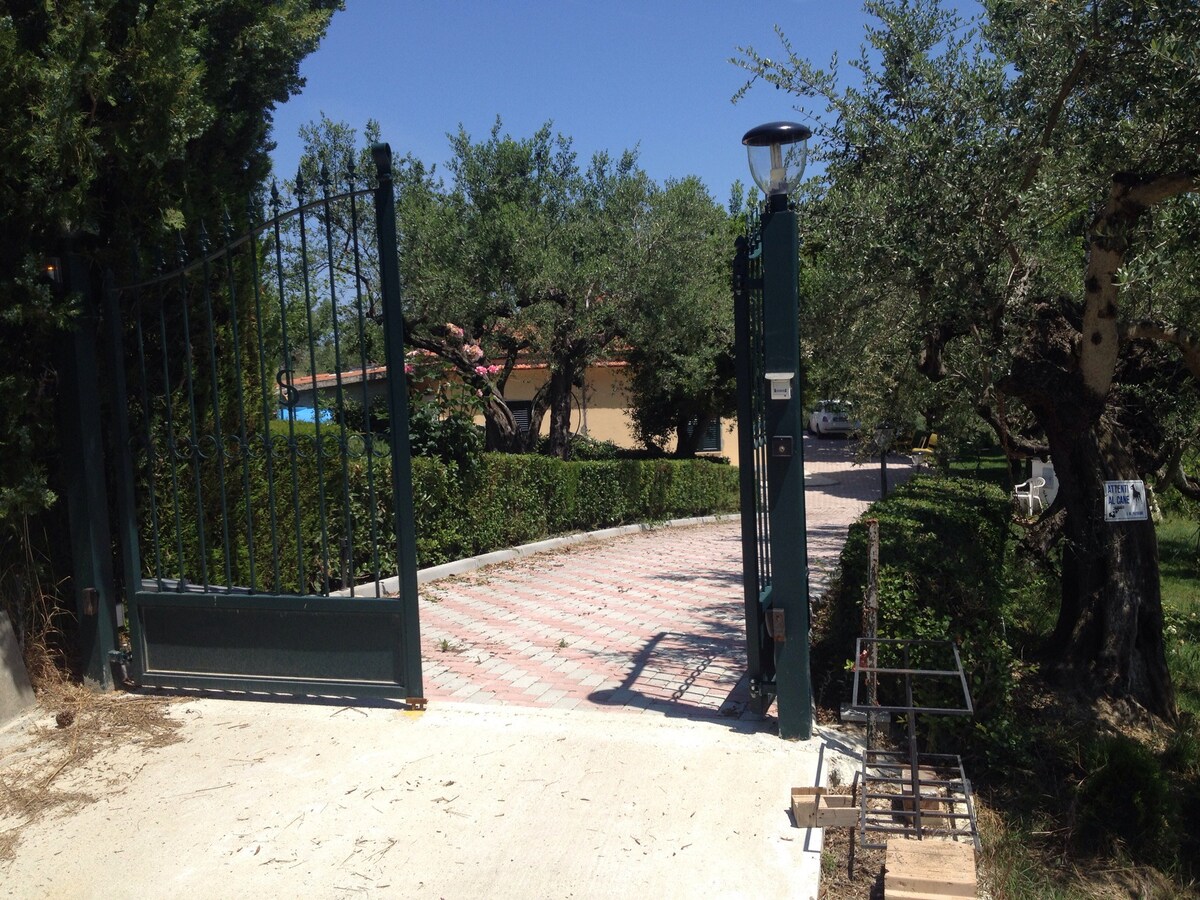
(600, 409)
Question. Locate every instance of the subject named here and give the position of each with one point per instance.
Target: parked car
(832, 417)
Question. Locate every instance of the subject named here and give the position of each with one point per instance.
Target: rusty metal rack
(908, 793)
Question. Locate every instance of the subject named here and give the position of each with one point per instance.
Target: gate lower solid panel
(291, 644)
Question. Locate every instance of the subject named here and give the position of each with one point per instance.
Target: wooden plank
(804, 805)
(929, 869)
(836, 811)
(814, 807)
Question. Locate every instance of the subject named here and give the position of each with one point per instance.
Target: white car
(832, 417)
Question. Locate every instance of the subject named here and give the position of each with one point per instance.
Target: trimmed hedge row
(485, 503)
(510, 500)
(942, 575)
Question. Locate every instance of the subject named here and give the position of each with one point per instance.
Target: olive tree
(1009, 210)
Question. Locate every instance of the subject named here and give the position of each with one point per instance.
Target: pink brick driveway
(645, 622)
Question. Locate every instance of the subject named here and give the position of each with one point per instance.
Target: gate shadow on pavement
(685, 676)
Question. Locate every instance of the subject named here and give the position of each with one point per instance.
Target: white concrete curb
(462, 566)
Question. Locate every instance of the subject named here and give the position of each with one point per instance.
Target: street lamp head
(777, 153)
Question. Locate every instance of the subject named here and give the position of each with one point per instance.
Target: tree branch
(1108, 238)
(1009, 440)
(1183, 338)
(1064, 91)
(1139, 193)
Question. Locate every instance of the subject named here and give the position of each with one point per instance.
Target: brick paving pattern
(651, 622)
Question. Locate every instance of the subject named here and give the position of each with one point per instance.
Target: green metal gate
(771, 468)
(264, 488)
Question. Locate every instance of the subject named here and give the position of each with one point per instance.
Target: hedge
(942, 575)
(510, 500)
(461, 509)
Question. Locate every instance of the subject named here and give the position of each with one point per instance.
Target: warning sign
(1124, 501)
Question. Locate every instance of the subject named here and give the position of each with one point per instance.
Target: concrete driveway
(587, 736)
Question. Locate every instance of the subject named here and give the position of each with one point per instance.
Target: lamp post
(777, 153)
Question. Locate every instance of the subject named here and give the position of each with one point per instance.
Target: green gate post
(777, 154)
(82, 453)
(397, 393)
(785, 470)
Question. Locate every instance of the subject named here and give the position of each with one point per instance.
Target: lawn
(1179, 569)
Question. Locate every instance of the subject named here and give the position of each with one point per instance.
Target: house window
(710, 440)
(522, 411)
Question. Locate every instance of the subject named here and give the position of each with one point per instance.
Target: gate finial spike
(275, 199)
(351, 174)
(180, 249)
(324, 177)
(204, 243)
(300, 185)
(227, 224)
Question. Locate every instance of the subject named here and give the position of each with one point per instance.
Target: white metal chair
(1027, 493)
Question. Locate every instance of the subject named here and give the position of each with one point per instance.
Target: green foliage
(1123, 775)
(452, 437)
(680, 332)
(942, 551)
(1067, 784)
(526, 253)
(582, 447)
(460, 510)
(123, 121)
(514, 499)
(942, 576)
(965, 161)
(1179, 551)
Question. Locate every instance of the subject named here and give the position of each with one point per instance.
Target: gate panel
(269, 464)
(752, 453)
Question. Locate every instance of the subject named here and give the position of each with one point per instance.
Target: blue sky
(610, 74)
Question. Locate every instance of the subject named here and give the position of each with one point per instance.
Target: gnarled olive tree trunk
(1109, 634)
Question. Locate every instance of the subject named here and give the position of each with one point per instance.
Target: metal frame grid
(895, 785)
(888, 784)
(867, 648)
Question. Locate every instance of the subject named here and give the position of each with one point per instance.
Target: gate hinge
(417, 703)
(118, 663)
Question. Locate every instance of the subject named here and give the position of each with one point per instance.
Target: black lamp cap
(776, 133)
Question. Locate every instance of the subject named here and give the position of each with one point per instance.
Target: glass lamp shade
(777, 152)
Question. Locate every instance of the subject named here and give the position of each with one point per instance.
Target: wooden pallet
(928, 870)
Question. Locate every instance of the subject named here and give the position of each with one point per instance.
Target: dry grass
(37, 776)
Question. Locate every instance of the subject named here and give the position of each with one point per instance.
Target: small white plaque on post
(1124, 501)
(781, 385)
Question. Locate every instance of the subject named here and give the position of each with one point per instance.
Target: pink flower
(482, 370)
(409, 368)
(495, 369)
(473, 352)
(454, 331)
